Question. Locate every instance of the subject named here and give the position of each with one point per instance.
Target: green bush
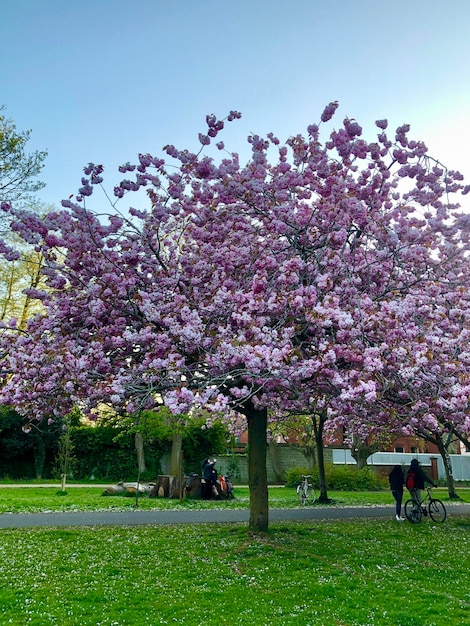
(99, 451)
(349, 478)
(339, 478)
(294, 475)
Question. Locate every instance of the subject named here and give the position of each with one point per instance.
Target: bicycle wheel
(312, 494)
(437, 511)
(413, 512)
(301, 494)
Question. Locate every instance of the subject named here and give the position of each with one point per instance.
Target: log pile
(121, 488)
(167, 486)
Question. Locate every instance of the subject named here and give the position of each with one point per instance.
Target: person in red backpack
(415, 480)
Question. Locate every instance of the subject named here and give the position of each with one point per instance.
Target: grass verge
(350, 573)
(45, 499)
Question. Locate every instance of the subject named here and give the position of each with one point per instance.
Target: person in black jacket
(209, 474)
(418, 479)
(396, 480)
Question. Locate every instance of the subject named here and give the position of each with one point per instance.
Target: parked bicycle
(415, 510)
(306, 491)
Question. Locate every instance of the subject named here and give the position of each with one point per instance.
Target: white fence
(460, 462)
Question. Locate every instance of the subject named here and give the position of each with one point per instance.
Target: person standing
(415, 480)
(396, 480)
(209, 474)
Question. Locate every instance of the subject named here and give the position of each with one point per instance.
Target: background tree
(17, 279)
(200, 435)
(241, 288)
(431, 391)
(295, 430)
(444, 442)
(362, 450)
(18, 168)
(15, 446)
(65, 460)
(28, 445)
(18, 183)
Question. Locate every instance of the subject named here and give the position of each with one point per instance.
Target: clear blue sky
(103, 80)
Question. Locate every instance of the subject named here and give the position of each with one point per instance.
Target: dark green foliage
(200, 442)
(104, 452)
(28, 455)
(294, 475)
(13, 441)
(108, 452)
(233, 467)
(339, 478)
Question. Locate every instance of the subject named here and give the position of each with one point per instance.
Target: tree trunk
(318, 422)
(361, 451)
(39, 452)
(464, 440)
(257, 472)
(176, 448)
(310, 454)
(139, 447)
(447, 468)
(276, 463)
(166, 486)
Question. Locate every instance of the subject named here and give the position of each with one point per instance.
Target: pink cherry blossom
(333, 280)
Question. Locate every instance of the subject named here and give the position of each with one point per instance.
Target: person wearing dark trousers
(397, 480)
(415, 480)
(209, 475)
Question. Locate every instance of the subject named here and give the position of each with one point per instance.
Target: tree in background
(17, 278)
(201, 441)
(242, 287)
(424, 385)
(18, 184)
(65, 460)
(18, 169)
(27, 447)
(15, 445)
(157, 434)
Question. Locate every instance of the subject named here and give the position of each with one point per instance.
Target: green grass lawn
(328, 573)
(86, 498)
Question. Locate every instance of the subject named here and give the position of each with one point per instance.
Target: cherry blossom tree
(238, 288)
(433, 392)
(424, 387)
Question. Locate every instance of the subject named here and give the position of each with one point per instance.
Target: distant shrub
(294, 475)
(339, 478)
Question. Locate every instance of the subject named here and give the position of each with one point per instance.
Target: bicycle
(414, 511)
(306, 491)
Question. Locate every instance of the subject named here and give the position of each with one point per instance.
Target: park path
(152, 518)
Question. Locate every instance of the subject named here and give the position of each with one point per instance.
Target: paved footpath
(138, 518)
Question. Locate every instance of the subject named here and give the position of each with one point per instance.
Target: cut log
(193, 486)
(167, 486)
(114, 490)
(122, 488)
